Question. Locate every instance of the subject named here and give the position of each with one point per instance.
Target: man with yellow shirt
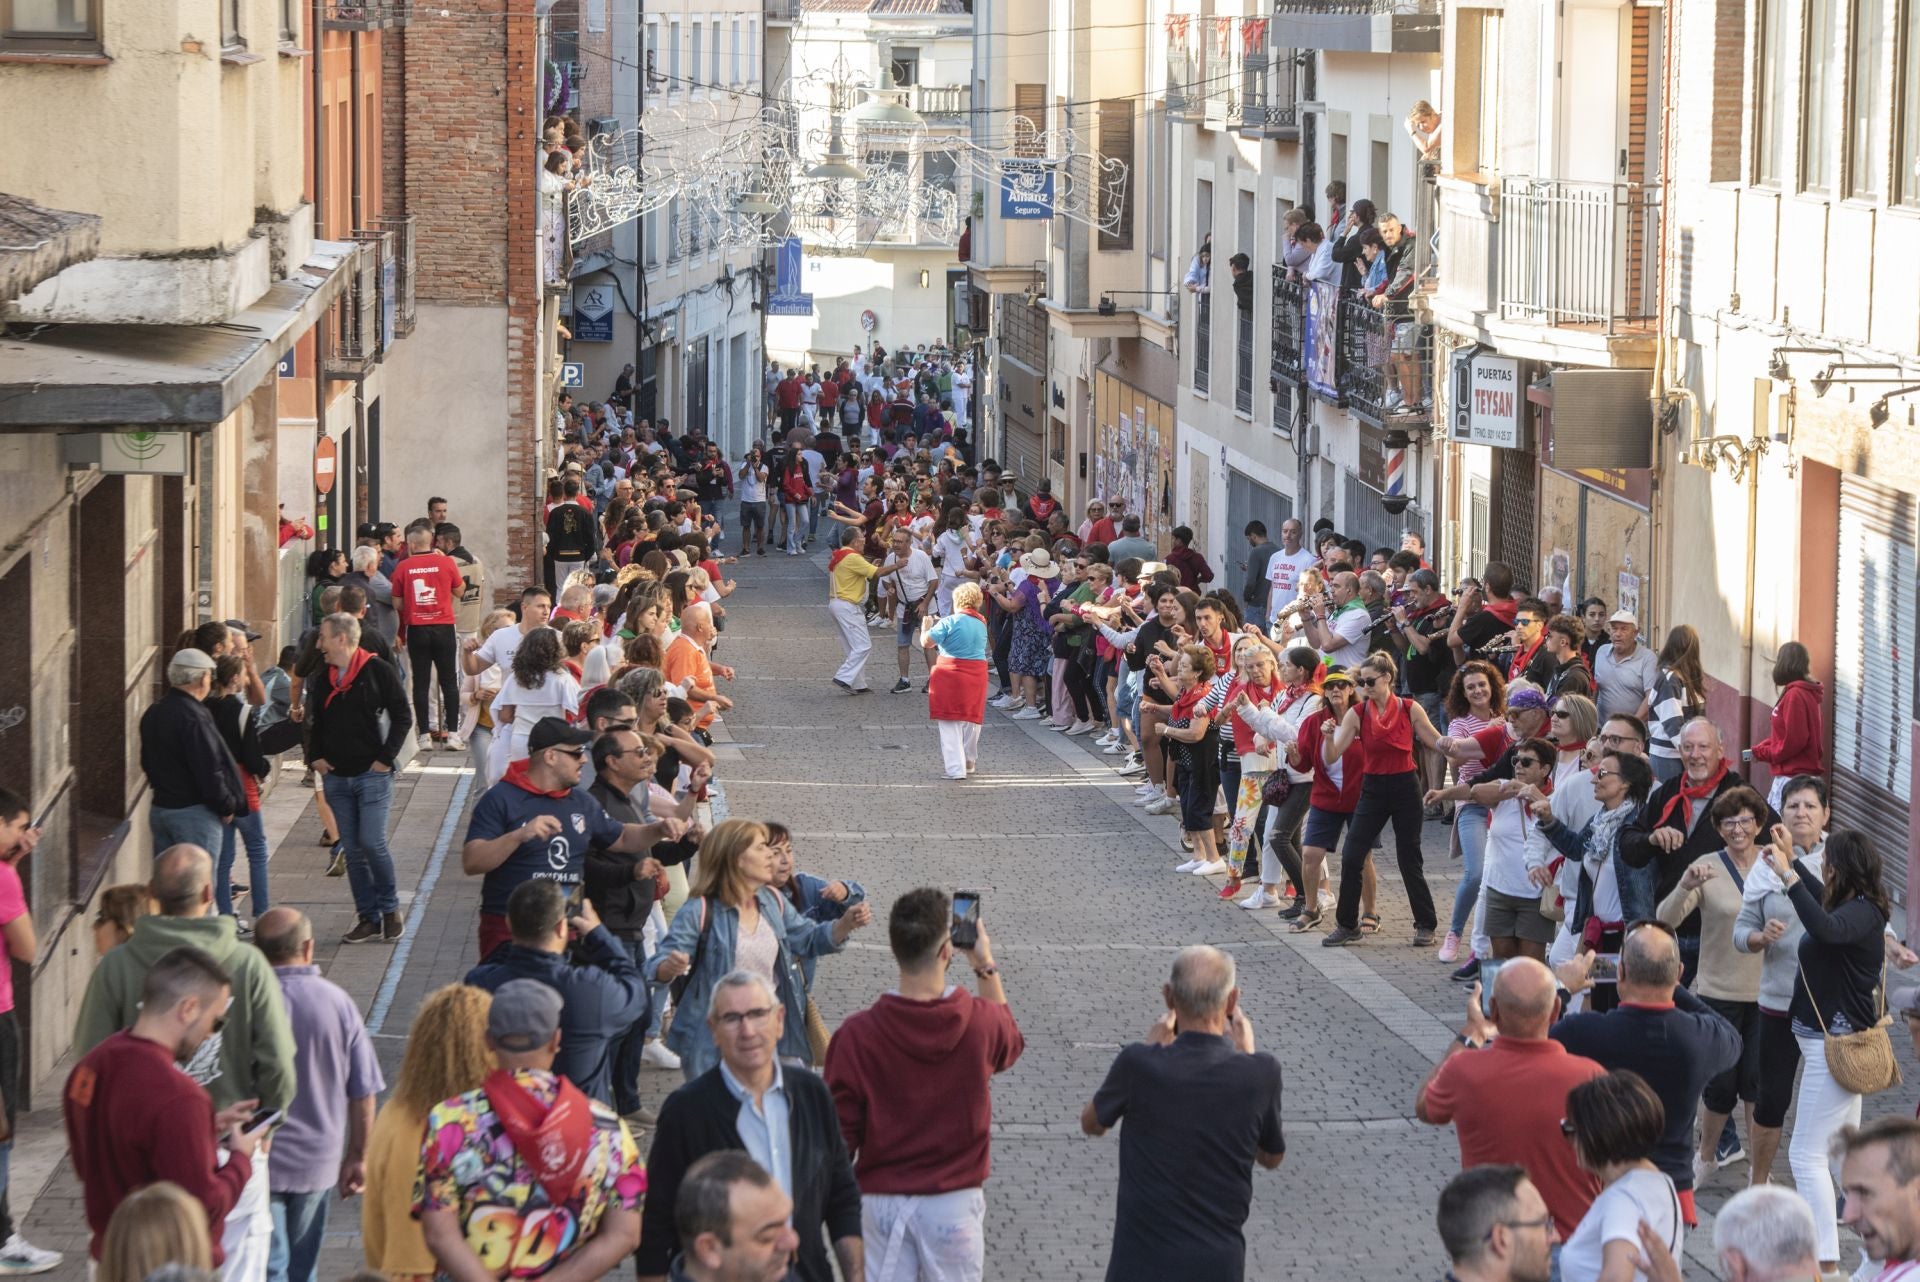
(848, 573)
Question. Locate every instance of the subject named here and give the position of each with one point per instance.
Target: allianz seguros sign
(1488, 399)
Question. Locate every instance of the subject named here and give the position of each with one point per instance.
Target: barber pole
(1396, 499)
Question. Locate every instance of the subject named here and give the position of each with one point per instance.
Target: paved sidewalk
(1085, 915)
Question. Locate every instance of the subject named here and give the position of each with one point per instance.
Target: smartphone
(1606, 968)
(1489, 972)
(261, 1120)
(966, 918)
(576, 896)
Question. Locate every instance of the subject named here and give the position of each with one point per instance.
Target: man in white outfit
(848, 574)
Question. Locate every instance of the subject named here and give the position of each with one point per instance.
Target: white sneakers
(655, 1052)
(1132, 765)
(1210, 867)
(1080, 728)
(1026, 714)
(1188, 866)
(1163, 806)
(1108, 740)
(22, 1256)
(1259, 899)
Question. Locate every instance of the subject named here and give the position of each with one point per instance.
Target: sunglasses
(1560, 714)
(575, 753)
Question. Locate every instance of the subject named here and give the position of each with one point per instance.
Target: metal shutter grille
(1515, 484)
(1874, 640)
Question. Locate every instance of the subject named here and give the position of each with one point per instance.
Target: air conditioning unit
(599, 125)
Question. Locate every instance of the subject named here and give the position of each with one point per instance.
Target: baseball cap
(376, 529)
(240, 625)
(524, 1016)
(1623, 616)
(554, 732)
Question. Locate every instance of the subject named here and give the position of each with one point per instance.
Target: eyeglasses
(1544, 1222)
(733, 1019)
(1618, 740)
(1739, 821)
(1601, 772)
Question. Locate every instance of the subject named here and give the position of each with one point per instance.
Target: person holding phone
(911, 1079)
(19, 834)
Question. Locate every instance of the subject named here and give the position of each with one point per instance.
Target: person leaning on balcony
(1293, 255)
(1200, 270)
(1424, 127)
(1346, 243)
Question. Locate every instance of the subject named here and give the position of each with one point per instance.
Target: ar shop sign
(1488, 400)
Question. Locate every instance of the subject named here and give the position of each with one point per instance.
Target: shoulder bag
(678, 985)
(1861, 1062)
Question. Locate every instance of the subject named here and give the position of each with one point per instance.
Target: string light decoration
(842, 176)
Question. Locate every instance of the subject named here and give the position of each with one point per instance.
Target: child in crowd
(120, 908)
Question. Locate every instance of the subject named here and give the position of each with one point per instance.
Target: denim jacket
(689, 1037)
(815, 906)
(1636, 884)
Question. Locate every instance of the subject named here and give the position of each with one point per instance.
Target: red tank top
(1386, 738)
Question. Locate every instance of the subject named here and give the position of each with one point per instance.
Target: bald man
(251, 1058)
(687, 664)
(1672, 829)
(1338, 623)
(1503, 1084)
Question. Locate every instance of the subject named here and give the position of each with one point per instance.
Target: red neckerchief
(1521, 660)
(974, 614)
(1578, 745)
(1291, 695)
(1439, 603)
(517, 776)
(553, 1140)
(1503, 610)
(1690, 793)
(839, 555)
(342, 684)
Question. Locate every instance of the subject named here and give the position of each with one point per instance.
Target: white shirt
(1349, 627)
(1505, 865)
(753, 483)
(500, 648)
(952, 551)
(810, 393)
(557, 695)
(1283, 572)
(1615, 1217)
(815, 462)
(915, 577)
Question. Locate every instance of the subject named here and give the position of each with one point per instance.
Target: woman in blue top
(735, 920)
(957, 687)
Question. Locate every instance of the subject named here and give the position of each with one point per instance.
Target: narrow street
(1085, 916)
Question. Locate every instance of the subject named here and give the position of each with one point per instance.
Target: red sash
(1690, 793)
(342, 684)
(554, 1141)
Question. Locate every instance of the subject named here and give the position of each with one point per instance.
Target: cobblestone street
(1084, 913)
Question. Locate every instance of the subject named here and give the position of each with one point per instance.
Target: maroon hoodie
(1793, 745)
(911, 1080)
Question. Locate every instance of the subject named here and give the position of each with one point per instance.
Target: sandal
(1369, 923)
(1306, 921)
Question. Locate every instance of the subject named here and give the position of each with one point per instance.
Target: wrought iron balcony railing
(1579, 253)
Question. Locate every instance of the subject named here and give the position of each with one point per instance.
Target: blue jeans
(360, 805)
(796, 525)
(1127, 696)
(254, 833)
(299, 1222)
(185, 826)
(1470, 830)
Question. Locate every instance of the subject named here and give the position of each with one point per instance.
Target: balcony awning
(37, 243)
(63, 377)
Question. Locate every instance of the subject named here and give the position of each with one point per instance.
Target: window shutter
(1116, 191)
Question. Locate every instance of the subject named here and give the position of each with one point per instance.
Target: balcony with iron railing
(1269, 96)
(405, 271)
(1186, 93)
(360, 323)
(1289, 303)
(365, 15)
(1243, 359)
(1222, 105)
(1386, 363)
(1203, 342)
(1579, 255)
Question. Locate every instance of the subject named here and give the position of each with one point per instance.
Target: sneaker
(1188, 866)
(337, 862)
(1027, 714)
(1341, 936)
(1449, 948)
(1258, 899)
(1116, 749)
(1132, 766)
(901, 686)
(424, 742)
(454, 743)
(237, 890)
(1730, 1149)
(1703, 1169)
(1422, 937)
(1108, 739)
(242, 929)
(365, 931)
(1001, 701)
(1210, 867)
(1468, 972)
(1164, 806)
(1079, 728)
(656, 1054)
(1326, 900)
(1293, 910)
(392, 927)
(22, 1256)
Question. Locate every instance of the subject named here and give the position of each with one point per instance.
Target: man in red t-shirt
(426, 588)
(133, 1118)
(911, 1078)
(1506, 1094)
(786, 397)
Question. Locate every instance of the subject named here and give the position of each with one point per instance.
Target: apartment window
(1906, 162)
(673, 228)
(713, 65)
(906, 67)
(230, 25)
(1030, 105)
(55, 26)
(1474, 133)
(733, 52)
(650, 58)
(290, 21)
(1818, 155)
(1337, 156)
(1773, 104)
(939, 170)
(1116, 196)
(693, 68)
(1380, 174)
(753, 51)
(1869, 109)
(650, 239)
(673, 58)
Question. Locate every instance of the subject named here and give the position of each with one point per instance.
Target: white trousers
(247, 1238)
(959, 744)
(938, 1238)
(856, 638)
(1821, 1109)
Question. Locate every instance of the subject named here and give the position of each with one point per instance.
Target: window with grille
(1116, 196)
(1030, 106)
